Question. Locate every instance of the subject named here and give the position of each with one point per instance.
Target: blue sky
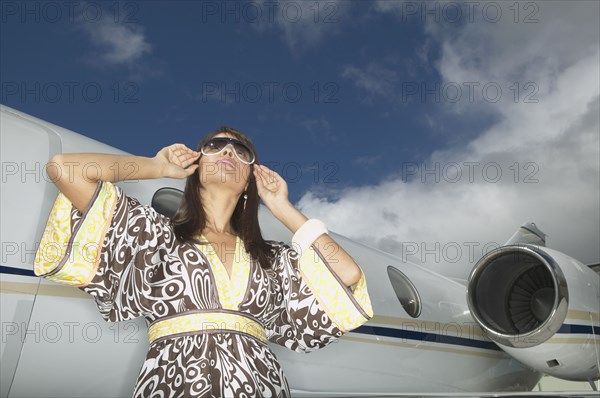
(296, 98)
(387, 88)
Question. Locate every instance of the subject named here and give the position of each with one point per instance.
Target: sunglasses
(216, 145)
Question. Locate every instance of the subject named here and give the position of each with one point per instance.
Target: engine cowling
(541, 307)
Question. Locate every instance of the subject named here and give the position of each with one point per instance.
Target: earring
(245, 197)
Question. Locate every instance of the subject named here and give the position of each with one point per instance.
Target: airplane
(525, 311)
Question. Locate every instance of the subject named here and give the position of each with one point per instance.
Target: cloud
(302, 24)
(536, 161)
(118, 44)
(319, 129)
(389, 79)
(115, 45)
(123, 44)
(375, 79)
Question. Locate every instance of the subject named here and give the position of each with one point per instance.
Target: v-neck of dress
(220, 262)
(231, 290)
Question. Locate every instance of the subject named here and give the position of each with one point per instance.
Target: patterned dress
(208, 332)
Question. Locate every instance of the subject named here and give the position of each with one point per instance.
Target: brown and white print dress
(208, 332)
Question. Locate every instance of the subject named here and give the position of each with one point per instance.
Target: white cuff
(307, 234)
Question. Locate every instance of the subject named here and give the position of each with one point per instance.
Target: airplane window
(166, 201)
(405, 291)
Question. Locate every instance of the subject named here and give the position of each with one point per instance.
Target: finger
(188, 157)
(272, 177)
(259, 174)
(188, 161)
(265, 172)
(257, 178)
(273, 174)
(176, 148)
(191, 151)
(269, 184)
(180, 149)
(191, 170)
(278, 178)
(174, 154)
(181, 152)
(262, 179)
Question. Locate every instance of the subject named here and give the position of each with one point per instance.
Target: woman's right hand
(175, 159)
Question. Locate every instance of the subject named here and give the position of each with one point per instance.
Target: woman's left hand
(272, 188)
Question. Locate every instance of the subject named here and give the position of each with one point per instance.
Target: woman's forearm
(93, 167)
(337, 258)
(76, 175)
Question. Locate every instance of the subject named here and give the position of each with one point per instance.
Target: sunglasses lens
(243, 153)
(213, 147)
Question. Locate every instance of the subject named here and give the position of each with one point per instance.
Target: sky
(428, 130)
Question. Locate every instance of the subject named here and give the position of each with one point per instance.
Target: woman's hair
(190, 218)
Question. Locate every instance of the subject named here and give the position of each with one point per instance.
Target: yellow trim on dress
(332, 295)
(231, 291)
(74, 260)
(206, 321)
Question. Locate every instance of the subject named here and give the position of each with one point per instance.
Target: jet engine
(541, 307)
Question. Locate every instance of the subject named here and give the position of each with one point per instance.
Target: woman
(211, 289)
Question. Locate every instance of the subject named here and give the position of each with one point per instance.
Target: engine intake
(519, 296)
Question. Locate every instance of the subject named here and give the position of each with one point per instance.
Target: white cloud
(555, 141)
(374, 79)
(302, 24)
(124, 45)
(117, 44)
(319, 129)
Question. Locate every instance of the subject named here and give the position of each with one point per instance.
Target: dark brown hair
(190, 218)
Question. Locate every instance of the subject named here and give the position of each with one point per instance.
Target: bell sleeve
(313, 306)
(107, 251)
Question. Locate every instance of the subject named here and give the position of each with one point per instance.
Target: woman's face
(224, 169)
